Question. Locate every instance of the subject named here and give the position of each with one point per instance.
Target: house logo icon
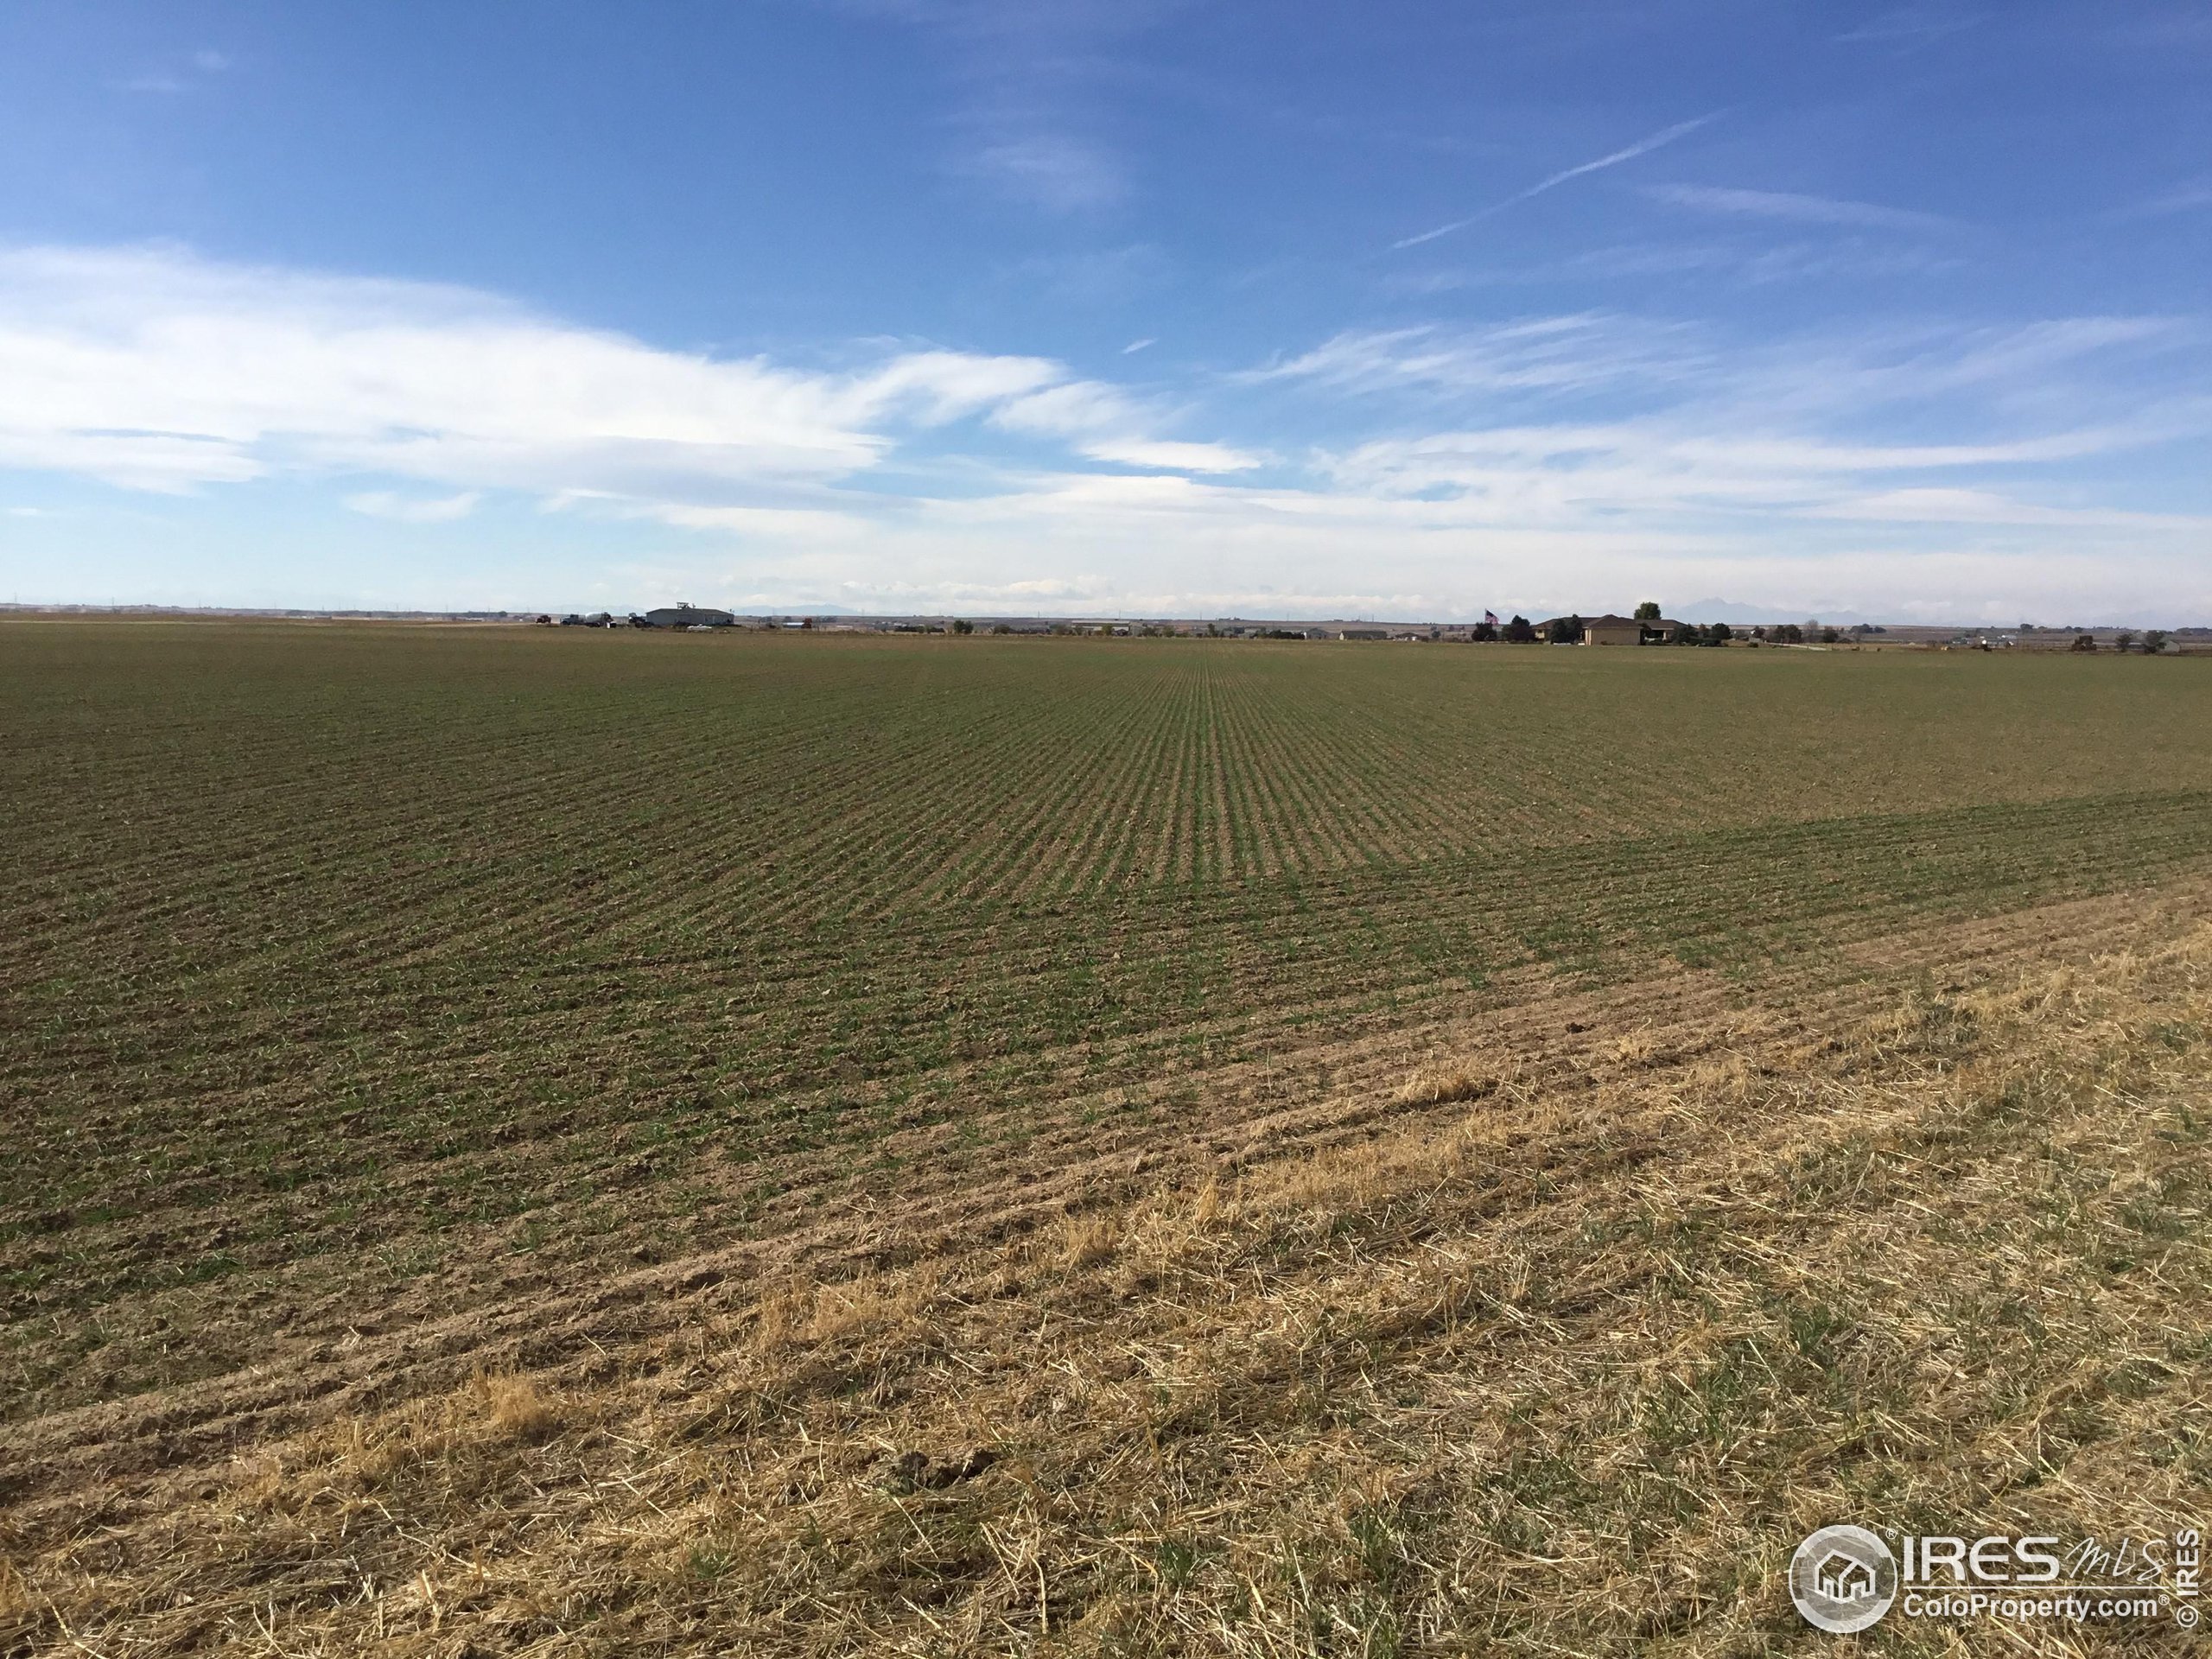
(1843, 1579)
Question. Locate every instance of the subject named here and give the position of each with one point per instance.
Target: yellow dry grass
(1571, 1373)
(1442, 1085)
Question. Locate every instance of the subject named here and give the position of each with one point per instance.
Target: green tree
(1648, 612)
(960, 624)
(1519, 631)
(2122, 641)
(2154, 641)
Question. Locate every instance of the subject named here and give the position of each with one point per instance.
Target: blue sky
(1391, 309)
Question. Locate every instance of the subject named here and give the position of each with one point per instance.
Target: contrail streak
(1642, 147)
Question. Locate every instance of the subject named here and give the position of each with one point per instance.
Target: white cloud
(935, 387)
(2185, 199)
(1167, 455)
(1795, 209)
(1053, 170)
(1107, 424)
(152, 370)
(1954, 507)
(192, 71)
(777, 523)
(1554, 354)
(1911, 27)
(1072, 410)
(414, 510)
(1599, 524)
(1669, 474)
(1095, 278)
(1582, 456)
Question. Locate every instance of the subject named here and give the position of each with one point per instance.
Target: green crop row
(318, 942)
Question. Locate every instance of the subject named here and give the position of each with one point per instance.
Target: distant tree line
(2153, 641)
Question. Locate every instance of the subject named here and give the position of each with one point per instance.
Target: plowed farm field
(388, 1012)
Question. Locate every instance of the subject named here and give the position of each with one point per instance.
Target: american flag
(1490, 617)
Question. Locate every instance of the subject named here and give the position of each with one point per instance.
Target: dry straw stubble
(1572, 1379)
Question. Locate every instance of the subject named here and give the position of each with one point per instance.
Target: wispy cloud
(1474, 464)
(1958, 507)
(1096, 276)
(1053, 170)
(1107, 424)
(2185, 27)
(1642, 147)
(1748, 261)
(812, 525)
(1801, 258)
(2185, 199)
(1027, 79)
(154, 370)
(1557, 354)
(1907, 27)
(1667, 465)
(414, 510)
(191, 70)
(1795, 209)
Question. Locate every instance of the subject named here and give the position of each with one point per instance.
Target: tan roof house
(1621, 630)
(1611, 630)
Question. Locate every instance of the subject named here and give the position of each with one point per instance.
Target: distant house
(1364, 633)
(689, 616)
(1611, 630)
